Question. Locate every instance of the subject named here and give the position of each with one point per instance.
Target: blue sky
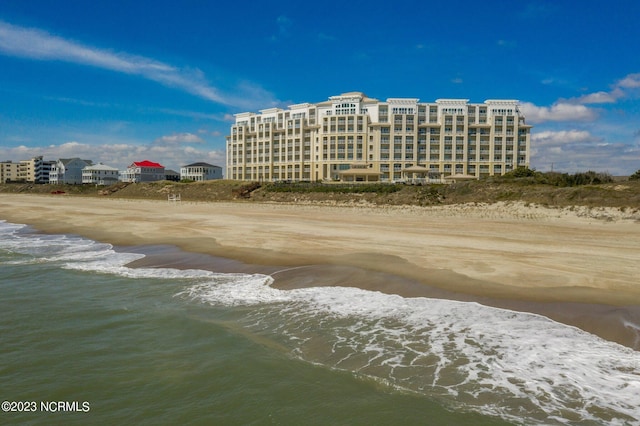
(122, 81)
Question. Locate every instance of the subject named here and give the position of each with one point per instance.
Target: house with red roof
(143, 171)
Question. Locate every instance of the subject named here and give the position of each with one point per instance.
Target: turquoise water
(162, 346)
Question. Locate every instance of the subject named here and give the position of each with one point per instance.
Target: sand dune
(506, 250)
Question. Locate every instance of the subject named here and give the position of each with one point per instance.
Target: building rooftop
(101, 167)
(200, 164)
(147, 163)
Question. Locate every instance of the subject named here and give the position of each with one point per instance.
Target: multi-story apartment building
(9, 171)
(351, 137)
(34, 170)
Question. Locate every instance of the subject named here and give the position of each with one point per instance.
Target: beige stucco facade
(351, 137)
(9, 171)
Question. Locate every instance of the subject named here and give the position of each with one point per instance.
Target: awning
(461, 177)
(362, 172)
(416, 169)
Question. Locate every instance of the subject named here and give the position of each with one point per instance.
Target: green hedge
(558, 179)
(378, 188)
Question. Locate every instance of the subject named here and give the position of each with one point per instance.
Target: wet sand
(576, 266)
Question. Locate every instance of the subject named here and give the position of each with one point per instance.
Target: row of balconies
(385, 143)
(483, 157)
(422, 118)
(408, 141)
(384, 157)
(388, 166)
(434, 132)
(433, 150)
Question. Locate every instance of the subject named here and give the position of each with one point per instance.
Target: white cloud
(562, 137)
(40, 45)
(560, 111)
(119, 155)
(579, 150)
(618, 159)
(631, 81)
(620, 89)
(178, 138)
(605, 147)
(597, 98)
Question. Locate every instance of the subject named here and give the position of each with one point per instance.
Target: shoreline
(576, 270)
(608, 322)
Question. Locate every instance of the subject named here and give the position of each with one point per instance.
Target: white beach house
(143, 171)
(68, 171)
(200, 171)
(100, 174)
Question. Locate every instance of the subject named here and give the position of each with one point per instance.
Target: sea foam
(519, 366)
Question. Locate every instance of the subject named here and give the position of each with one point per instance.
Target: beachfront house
(143, 171)
(100, 174)
(200, 172)
(68, 171)
(171, 175)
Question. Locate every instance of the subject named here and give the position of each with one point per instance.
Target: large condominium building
(351, 137)
(35, 170)
(9, 171)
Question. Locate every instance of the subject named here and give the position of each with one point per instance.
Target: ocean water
(86, 340)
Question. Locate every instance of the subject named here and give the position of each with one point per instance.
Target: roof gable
(147, 163)
(200, 164)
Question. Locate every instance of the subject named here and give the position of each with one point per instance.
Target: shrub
(379, 188)
(577, 179)
(520, 172)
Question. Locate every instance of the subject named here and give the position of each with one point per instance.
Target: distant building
(351, 137)
(35, 170)
(9, 171)
(200, 171)
(100, 174)
(68, 171)
(171, 175)
(143, 171)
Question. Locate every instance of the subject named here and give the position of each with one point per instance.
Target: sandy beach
(575, 265)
